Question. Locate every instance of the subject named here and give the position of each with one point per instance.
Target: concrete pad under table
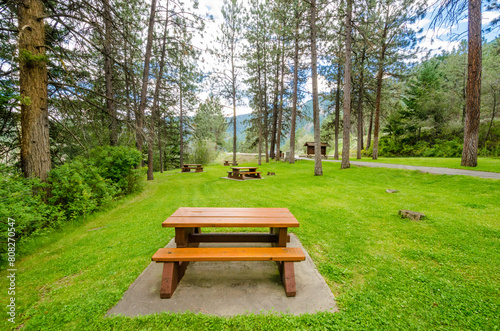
(229, 288)
(242, 180)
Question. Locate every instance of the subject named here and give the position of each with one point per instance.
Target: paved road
(431, 170)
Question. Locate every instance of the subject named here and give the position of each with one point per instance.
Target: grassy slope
(483, 163)
(386, 272)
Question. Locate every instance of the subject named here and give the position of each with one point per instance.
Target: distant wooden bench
(188, 167)
(174, 262)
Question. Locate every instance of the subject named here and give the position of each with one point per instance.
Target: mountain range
(305, 121)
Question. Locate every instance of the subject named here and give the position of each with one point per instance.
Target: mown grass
(386, 272)
(483, 163)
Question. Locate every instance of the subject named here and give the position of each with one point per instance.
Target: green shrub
(118, 164)
(21, 199)
(202, 152)
(389, 146)
(78, 188)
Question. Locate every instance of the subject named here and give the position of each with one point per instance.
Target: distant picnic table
(244, 172)
(227, 163)
(188, 235)
(187, 167)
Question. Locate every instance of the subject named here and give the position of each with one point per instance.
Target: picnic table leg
(169, 280)
(282, 236)
(182, 240)
(287, 272)
(182, 237)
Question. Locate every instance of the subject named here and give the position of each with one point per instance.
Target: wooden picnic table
(244, 172)
(187, 167)
(227, 163)
(188, 223)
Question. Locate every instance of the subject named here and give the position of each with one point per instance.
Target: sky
(434, 41)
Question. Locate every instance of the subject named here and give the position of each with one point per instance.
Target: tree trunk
(282, 90)
(377, 107)
(154, 109)
(126, 69)
(380, 76)
(181, 124)
(472, 116)
(492, 117)
(318, 167)
(150, 175)
(127, 81)
(464, 90)
(266, 113)
(108, 75)
(291, 159)
(360, 104)
(346, 118)
(275, 104)
(337, 109)
(160, 149)
(145, 76)
(260, 100)
(369, 138)
(35, 145)
(233, 81)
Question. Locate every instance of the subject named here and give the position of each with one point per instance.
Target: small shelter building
(310, 148)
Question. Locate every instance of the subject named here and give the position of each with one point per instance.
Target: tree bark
(380, 76)
(266, 113)
(154, 109)
(472, 118)
(318, 167)
(275, 104)
(360, 104)
(346, 119)
(369, 138)
(108, 74)
(181, 124)
(160, 148)
(291, 159)
(282, 90)
(33, 80)
(145, 76)
(492, 117)
(337, 109)
(260, 100)
(233, 81)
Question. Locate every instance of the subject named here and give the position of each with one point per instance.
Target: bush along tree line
(72, 190)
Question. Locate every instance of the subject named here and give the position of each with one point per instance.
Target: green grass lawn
(385, 272)
(483, 163)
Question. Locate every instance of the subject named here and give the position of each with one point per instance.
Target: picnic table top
(189, 164)
(231, 217)
(240, 168)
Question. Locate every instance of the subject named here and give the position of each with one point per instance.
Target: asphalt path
(430, 170)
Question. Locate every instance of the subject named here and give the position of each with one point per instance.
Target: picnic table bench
(187, 167)
(244, 172)
(227, 163)
(189, 221)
